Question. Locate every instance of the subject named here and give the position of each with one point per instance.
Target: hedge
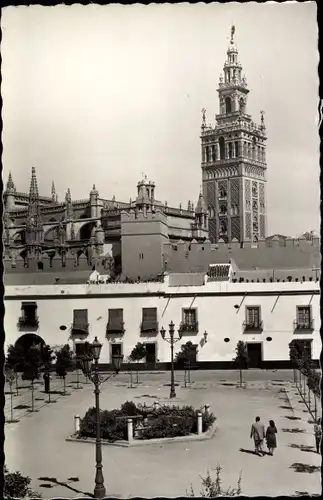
(160, 422)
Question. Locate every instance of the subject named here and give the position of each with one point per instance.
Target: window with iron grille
(303, 318)
(80, 319)
(189, 322)
(189, 317)
(28, 316)
(149, 319)
(115, 323)
(253, 317)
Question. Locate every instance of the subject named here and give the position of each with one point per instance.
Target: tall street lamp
(171, 340)
(91, 371)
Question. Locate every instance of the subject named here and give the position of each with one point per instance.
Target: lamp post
(171, 340)
(91, 371)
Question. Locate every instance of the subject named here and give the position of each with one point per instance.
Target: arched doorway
(29, 340)
(20, 238)
(86, 231)
(25, 342)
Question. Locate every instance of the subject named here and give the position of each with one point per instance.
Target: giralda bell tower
(234, 161)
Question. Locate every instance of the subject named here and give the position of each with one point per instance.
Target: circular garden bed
(148, 422)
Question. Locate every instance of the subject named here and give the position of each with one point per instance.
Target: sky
(101, 94)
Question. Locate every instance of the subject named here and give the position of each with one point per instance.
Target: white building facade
(268, 316)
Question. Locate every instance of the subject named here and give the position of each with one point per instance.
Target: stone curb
(209, 434)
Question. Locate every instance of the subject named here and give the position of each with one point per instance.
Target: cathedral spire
(54, 195)
(33, 190)
(201, 207)
(68, 197)
(10, 184)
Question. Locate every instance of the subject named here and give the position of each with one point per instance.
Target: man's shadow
(252, 452)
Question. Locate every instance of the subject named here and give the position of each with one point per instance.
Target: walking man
(318, 434)
(258, 434)
(47, 381)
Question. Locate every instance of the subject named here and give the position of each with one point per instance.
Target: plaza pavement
(36, 445)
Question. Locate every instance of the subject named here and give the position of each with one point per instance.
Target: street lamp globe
(116, 361)
(180, 333)
(205, 334)
(96, 347)
(163, 332)
(86, 364)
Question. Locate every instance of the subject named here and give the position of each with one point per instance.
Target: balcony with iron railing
(79, 329)
(252, 326)
(149, 326)
(28, 323)
(114, 327)
(303, 326)
(189, 327)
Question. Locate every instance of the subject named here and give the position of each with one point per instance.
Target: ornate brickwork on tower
(234, 161)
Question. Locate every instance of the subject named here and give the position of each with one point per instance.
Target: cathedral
(143, 237)
(40, 230)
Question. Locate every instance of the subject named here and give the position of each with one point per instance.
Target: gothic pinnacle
(10, 184)
(54, 196)
(33, 190)
(68, 197)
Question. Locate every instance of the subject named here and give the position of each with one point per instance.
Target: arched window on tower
(237, 149)
(213, 153)
(207, 151)
(222, 148)
(228, 105)
(241, 105)
(230, 150)
(203, 155)
(254, 148)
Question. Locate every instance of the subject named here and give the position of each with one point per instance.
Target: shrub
(112, 428)
(129, 408)
(17, 486)
(170, 426)
(164, 421)
(212, 488)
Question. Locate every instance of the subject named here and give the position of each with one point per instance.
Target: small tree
(64, 362)
(15, 360)
(300, 356)
(241, 357)
(187, 352)
(47, 356)
(32, 363)
(294, 356)
(17, 486)
(137, 354)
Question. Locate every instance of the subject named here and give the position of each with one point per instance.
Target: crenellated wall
(268, 254)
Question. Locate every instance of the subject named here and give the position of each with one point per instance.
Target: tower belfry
(234, 161)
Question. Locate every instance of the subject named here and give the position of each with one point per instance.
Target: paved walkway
(21, 403)
(169, 469)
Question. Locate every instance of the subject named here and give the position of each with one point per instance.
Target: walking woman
(271, 437)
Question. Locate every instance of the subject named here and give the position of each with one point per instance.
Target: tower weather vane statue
(233, 28)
